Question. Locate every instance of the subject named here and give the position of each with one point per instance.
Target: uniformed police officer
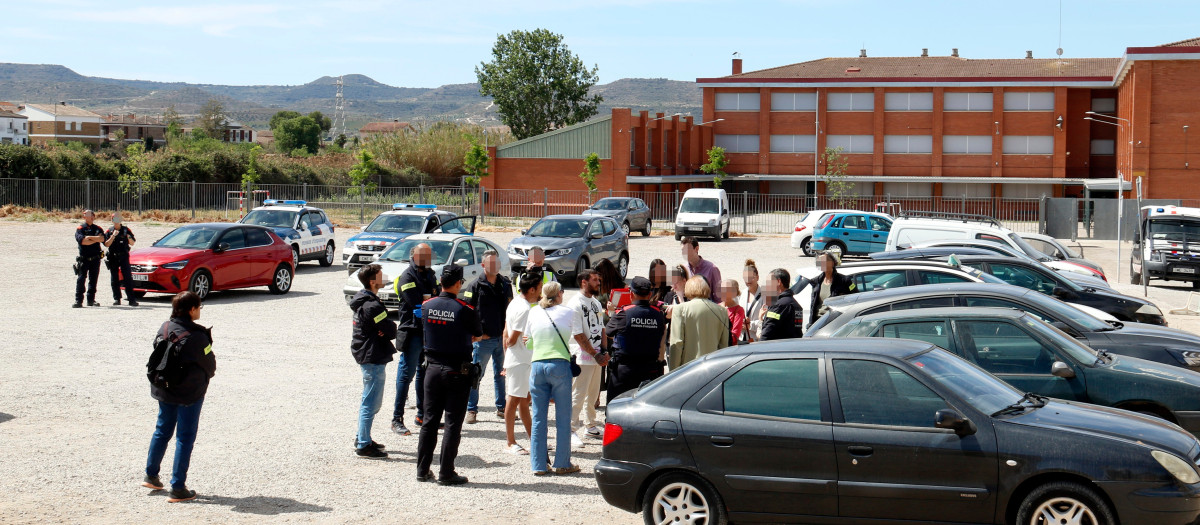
(90, 237)
(785, 318)
(639, 340)
(536, 265)
(451, 325)
(417, 284)
(119, 239)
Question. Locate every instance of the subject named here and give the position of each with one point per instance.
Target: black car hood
(1145, 333)
(546, 243)
(1114, 423)
(1116, 297)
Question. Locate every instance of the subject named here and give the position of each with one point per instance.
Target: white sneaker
(595, 432)
(575, 441)
(516, 450)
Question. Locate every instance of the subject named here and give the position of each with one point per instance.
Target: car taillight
(800, 227)
(611, 433)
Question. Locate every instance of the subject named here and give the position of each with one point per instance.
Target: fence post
(193, 199)
(422, 194)
(462, 191)
(362, 203)
(139, 197)
(87, 201)
(305, 191)
(37, 201)
(675, 208)
(964, 204)
(745, 211)
(545, 202)
(1042, 215)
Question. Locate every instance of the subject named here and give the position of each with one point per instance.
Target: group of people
(92, 239)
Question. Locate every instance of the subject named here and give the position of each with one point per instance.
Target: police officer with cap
(639, 338)
(90, 237)
(451, 325)
(119, 239)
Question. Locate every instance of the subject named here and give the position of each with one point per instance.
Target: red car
(214, 256)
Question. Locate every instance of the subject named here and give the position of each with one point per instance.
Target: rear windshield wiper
(1034, 400)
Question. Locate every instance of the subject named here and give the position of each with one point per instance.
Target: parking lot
(275, 436)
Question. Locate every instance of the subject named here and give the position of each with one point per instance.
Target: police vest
(639, 341)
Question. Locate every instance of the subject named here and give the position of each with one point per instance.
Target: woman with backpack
(179, 371)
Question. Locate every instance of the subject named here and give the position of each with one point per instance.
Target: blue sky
(431, 43)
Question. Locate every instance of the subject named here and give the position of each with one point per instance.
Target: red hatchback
(214, 256)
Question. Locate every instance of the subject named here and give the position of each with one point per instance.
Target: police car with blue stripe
(391, 226)
(307, 230)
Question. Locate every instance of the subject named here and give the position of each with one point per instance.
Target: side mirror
(221, 247)
(1063, 293)
(462, 262)
(951, 419)
(1061, 369)
(524, 232)
(597, 235)
(724, 212)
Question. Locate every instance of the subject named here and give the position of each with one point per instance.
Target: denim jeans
(488, 350)
(374, 380)
(408, 366)
(182, 421)
(550, 379)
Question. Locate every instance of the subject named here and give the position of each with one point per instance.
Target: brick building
(14, 128)
(62, 123)
(136, 128)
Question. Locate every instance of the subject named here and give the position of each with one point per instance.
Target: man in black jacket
(372, 349)
(413, 287)
(489, 294)
(179, 404)
(780, 321)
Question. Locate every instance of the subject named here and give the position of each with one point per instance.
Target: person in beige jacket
(698, 326)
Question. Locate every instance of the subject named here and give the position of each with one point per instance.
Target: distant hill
(366, 99)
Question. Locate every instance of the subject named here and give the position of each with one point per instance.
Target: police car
(307, 230)
(392, 226)
(463, 249)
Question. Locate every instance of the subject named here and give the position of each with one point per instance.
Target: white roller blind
(1029, 101)
(1104, 147)
(967, 102)
(793, 101)
(907, 144)
(967, 144)
(737, 102)
(907, 189)
(793, 143)
(1029, 145)
(851, 143)
(908, 101)
(1027, 191)
(851, 102)
(972, 191)
(737, 143)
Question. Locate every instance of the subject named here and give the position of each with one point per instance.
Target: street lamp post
(1120, 177)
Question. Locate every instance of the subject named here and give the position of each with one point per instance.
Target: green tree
(325, 122)
(213, 119)
(137, 177)
(716, 165)
(836, 186)
(591, 170)
(362, 173)
(170, 116)
(340, 141)
(475, 164)
(281, 116)
(537, 83)
(251, 177)
(297, 133)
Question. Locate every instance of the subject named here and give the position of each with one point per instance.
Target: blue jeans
(374, 379)
(484, 351)
(409, 365)
(550, 379)
(182, 421)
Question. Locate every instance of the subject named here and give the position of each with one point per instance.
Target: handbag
(575, 369)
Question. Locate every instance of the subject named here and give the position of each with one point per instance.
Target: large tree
(299, 132)
(325, 122)
(212, 119)
(281, 116)
(537, 83)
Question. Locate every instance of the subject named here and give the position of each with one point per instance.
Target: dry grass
(27, 214)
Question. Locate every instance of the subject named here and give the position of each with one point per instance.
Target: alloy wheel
(1064, 511)
(680, 503)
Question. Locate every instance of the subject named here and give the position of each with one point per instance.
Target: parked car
(213, 256)
(462, 249)
(572, 244)
(1145, 341)
(1081, 274)
(861, 430)
(395, 225)
(802, 236)
(703, 212)
(1059, 250)
(1033, 356)
(630, 213)
(931, 252)
(852, 233)
(1166, 243)
(307, 230)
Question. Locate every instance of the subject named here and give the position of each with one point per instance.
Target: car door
(936, 331)
(893, 464)
(232, 267)
(613, 237)
(463, 252)
(595, 248)
(304, 229)
(855, 234)
(642, 211)
(879, 228)
(1016, 356)
(457, 226)
(761, 435)
(262, 264)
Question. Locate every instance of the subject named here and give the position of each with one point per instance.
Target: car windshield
(985, 277)
(699, 205)
(1029, 249)
(271, 218)
(978, 388)
(190, 237)
(1068, 251)
(1174, 229)
(610, 204)
(565, 228)
(803, 217)
(1064, 311)
(1078, 351)
(403, 249)
(397, 224)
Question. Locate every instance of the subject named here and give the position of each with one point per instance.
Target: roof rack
(951, 216)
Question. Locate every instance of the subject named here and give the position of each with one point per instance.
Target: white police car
(392, 226)
(307, 230)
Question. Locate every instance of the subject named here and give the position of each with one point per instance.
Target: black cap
(641, 286)
(451, 274)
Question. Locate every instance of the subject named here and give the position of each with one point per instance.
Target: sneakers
(133, 302)
(77, 305)
(181, 494)
(94, 303)
(373, 444)
(567, 470)
(575, 441)
(425, 478)
(451, 480)
(117, 302)
(594, 432)
(421, 422)
(516, 449)
(152, 482)
(472, 417)
(399, 428)
(370, 452)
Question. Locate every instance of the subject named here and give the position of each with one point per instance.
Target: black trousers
(446, 391)
(91, 273)
(120, 267)
(624, 377)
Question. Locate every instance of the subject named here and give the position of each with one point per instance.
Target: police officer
(90, 237)
(119, 239)
(536, 265)
(783, 320)
(451, 325)
(639, 338)
(415, 285)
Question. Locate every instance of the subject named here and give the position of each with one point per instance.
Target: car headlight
(1183, 471)
(349, 245)
(177, 265)
(1190, 358)
(559, 252)
(1156, 256)
(712, 222)
(1149, 309)
(512, 251)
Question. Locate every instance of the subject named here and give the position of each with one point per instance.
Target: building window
(737, 143)
(1104, 147)
(1034, 101)
(679, 148)
(1104, 105)
(908, 102)
(1027, 191)
(793, 143)
(851, 102)
(793, 101)
(632, 146)
(1029, 145)
(907, 144)
(851, 143)
(737, 102)
(898, 190)
(967, 144)
(971, 191)
(967, 102)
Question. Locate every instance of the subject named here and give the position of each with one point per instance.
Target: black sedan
(857, 430)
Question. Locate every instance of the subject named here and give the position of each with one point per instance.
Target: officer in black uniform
(417, 284)
(451, 325)
(785, 318)
(119, 239)
(638, 333)
(90, 237)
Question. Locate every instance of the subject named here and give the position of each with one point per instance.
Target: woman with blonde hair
(698, 326)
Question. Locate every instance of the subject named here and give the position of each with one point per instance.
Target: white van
(703, 212)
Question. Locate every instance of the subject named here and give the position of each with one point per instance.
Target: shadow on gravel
(262, 505)
(539, 488)
(469, 461)
(4, 418)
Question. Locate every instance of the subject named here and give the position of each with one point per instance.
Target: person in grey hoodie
(372, 348)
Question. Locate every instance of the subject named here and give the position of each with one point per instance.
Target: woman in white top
(517, 361)
(752, 302)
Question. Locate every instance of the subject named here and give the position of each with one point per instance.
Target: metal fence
(765, 213)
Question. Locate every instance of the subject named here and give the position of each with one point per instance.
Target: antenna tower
(339, 111)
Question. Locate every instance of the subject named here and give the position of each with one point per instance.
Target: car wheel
(580, 266)
(201, 284)
(677, 236)
(646, 232)
(1064, 502)
(281, 281)
(682, 498)
(836, 248)
(623, 265)
(1134, 277)
(625, 228)
(726, 231)
(295, 255)
(806, 247)
(327, 261)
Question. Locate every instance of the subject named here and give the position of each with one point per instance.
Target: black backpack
(165, 367)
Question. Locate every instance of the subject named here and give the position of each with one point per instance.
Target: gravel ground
(275, 435)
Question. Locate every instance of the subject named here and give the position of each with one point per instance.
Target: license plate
(696, 229)
(140, 277)
(1184, 270)
(366, 258)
